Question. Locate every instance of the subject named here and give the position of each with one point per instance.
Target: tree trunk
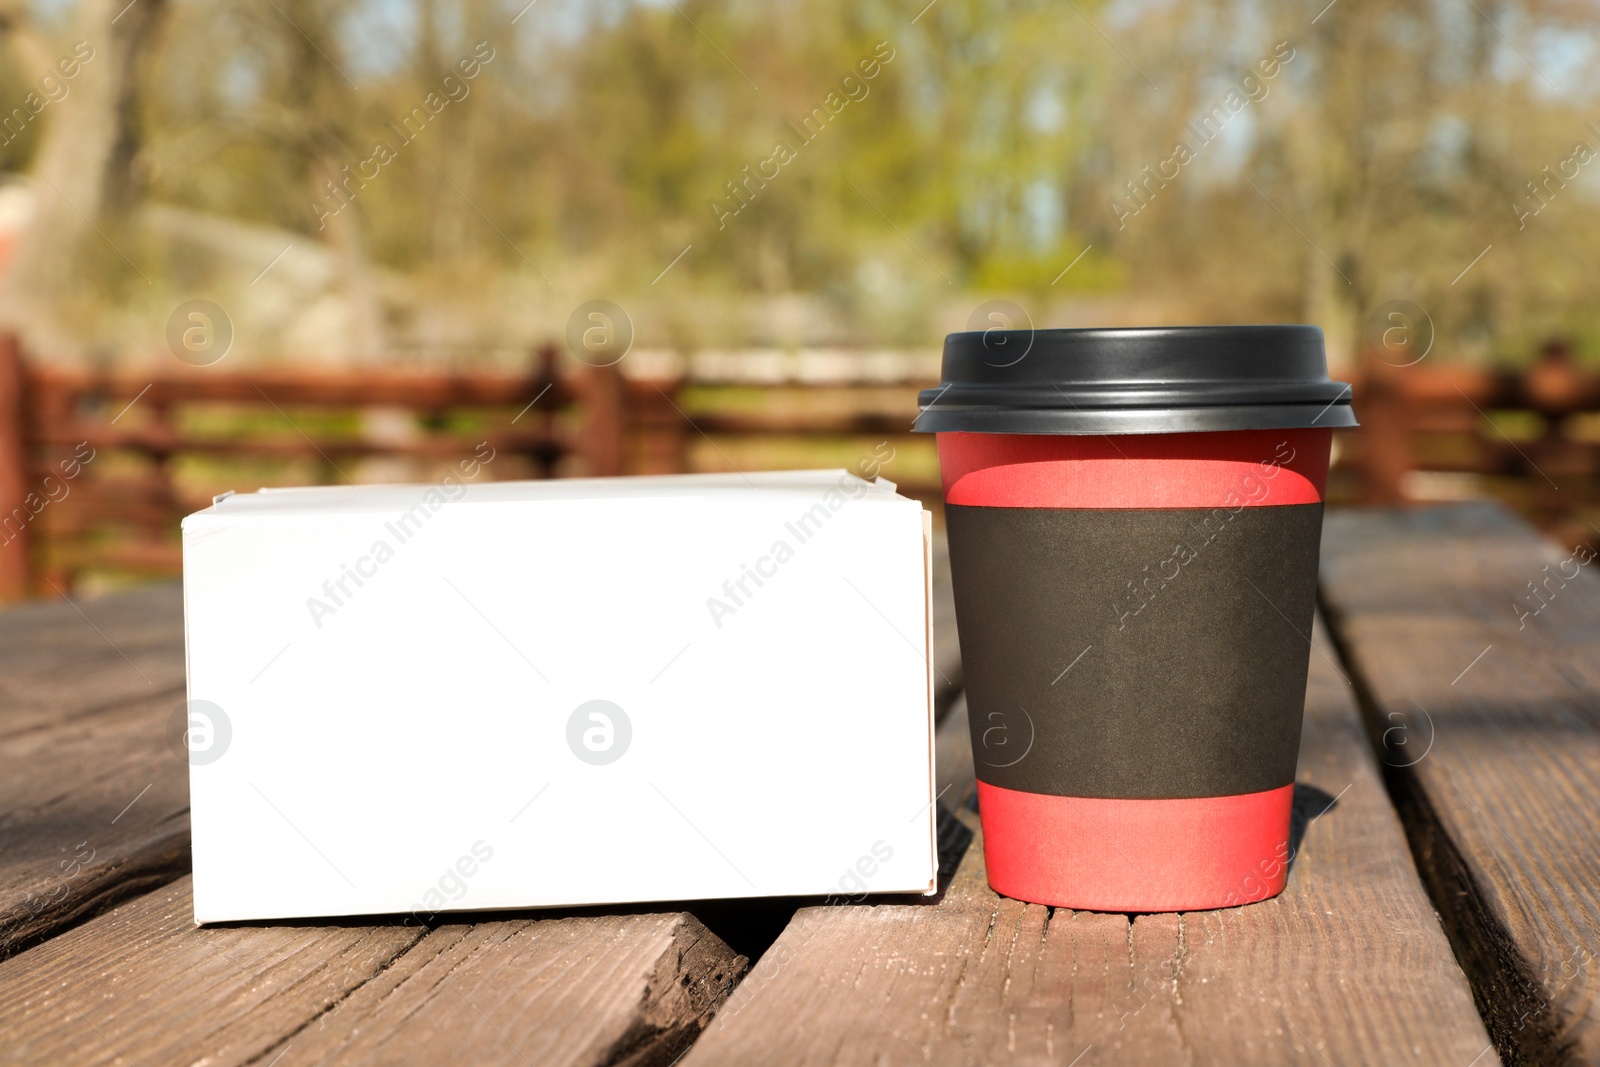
(86, 181)
(323, 94)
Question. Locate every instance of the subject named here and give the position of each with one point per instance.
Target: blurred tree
(322, 96)
(997, 143)
(87, 180)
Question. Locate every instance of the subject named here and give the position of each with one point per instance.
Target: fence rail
(96, 468)
(1532, 437)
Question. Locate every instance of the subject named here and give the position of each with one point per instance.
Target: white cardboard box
(391, 694)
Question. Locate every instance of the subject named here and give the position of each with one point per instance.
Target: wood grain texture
(1348, 966)
(94, 797)
(579, 990)
(62, 659)
(141, 984)
(1454, 648)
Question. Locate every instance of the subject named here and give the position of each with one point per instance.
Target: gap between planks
(1499, 806)
(142, 984)
(1348, 966)
(94, 801)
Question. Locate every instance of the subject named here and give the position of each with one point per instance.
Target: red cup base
(1097, 854)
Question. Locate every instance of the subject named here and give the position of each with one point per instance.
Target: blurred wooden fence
(90, 462)
(1436, 432)
(96, 468)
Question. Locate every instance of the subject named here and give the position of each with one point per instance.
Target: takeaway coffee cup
(1134, 520)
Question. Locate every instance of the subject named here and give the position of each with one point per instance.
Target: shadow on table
(1310, 804)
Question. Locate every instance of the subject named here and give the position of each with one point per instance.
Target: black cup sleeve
(1135, 653)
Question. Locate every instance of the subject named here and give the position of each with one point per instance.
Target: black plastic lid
(1169, 379)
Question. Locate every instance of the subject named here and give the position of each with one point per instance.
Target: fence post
(1552, 388)
(1385, 434)
(604, 442)
(14, 532)
(546, 452)
(671, 427)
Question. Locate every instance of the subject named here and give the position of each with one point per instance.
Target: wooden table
(1443, 906)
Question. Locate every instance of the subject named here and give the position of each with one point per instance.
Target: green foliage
(978, 161)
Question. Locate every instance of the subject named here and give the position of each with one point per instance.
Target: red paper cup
(1135, 605)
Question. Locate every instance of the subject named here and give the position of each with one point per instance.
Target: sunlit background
(786, 205)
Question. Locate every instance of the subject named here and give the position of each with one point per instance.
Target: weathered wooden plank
(1349, 965)
(142, 617)
(588, 989)
(94, 795)
(142, 984)
(1477, 643)
(91, 811)
(61, 659)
